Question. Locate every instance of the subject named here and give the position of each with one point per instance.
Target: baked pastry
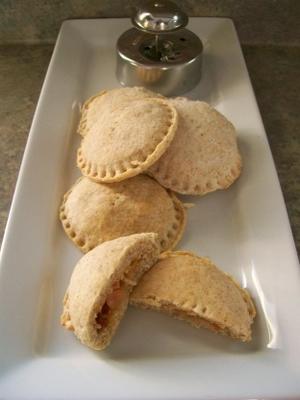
(111, 99)
(203, 156)
(92, 213)
(126, 139)
(97, 296)
(193, 289)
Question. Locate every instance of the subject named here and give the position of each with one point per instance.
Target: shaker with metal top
(159, 53)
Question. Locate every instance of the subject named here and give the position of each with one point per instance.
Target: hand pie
(195, 290)
(92, 213)
(203, 157)
(110, 99)
(98, 293)
(125, 139)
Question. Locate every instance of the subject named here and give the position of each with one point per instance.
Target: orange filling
(113, 301)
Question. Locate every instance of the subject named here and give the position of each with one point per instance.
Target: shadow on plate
(151, 335)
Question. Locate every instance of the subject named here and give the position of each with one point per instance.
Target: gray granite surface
(22, 70)
(275, 74)
(257, 21)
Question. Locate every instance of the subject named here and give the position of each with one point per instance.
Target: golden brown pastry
(203, 156)
(92, 213)
(193, 289)
(98, 293)
(126, 138)
(112, 99)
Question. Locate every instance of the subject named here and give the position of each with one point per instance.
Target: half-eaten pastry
(98, 293)
(193, 289)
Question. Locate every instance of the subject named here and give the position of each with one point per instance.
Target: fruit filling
(117, 295)
(113, 301)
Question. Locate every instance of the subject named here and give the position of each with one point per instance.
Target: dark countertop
(256, 21)
(275, 74)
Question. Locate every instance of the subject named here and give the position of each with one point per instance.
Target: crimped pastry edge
(129, 168)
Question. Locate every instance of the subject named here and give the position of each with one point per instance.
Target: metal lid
(159, 53)
(159, 17)
(177, 48)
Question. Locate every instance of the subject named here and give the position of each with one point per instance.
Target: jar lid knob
(159, 16)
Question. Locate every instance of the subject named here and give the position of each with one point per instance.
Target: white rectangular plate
(245, 230)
